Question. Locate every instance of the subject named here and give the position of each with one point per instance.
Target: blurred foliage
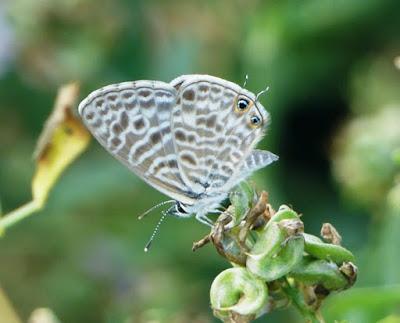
(330, 66)
(364, 156)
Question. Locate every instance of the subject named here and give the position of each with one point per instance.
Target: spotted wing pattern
(211, 140)
(132, 121)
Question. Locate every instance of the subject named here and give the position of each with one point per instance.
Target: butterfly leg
(204, 219)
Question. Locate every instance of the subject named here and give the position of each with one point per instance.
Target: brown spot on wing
(159, 166)
(148, 103)
(200, 121)
(189, 95)
(130, 105)
(144, 93)
(89, 115)
(211, 121)
(130, 139)
(140, 151)
(115, 142)
(127, 94)
(203, 88)
(216, 89)
(180, 135)
(155, 138)
(189, 159)
(112, 97)
(124, 120)
(116, 128)
(139, 124)
(172, 163)
(191, 139)
(99, 103)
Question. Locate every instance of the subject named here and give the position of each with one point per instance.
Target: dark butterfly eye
(255, 120)
(242, 104)
(180, 209)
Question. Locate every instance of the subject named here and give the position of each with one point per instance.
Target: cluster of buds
(275, 263)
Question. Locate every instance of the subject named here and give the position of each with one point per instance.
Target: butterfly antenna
(245, 80)
(156, 229)
(154, 207)
(262, 92)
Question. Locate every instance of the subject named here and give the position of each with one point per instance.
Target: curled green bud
(242, 199)
(278, 249)
(275, 265)
(240, 205)
(284, 212)
(320, 272)
(327, 251)
(269, 241)
(236, 290)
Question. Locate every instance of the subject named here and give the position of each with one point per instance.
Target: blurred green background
(335, 104)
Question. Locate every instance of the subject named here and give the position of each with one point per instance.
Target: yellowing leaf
(63, 139)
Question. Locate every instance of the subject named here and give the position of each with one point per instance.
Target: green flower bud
(320, 272)
(237, 291)
(278, 249)
(240, 205)
(274, 266)
(242, 200)
(284, 212)
(327, 251)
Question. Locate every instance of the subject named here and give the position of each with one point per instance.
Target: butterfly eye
(180, 209)
(255, 121)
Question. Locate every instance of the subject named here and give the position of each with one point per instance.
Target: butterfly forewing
(132, 121)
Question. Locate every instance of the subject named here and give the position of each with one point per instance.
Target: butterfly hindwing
(212, 140)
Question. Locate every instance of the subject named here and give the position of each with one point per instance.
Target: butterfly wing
(212, 140)
(256, 160)
(132, 121)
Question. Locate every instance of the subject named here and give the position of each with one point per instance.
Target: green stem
(17, 215)
(297, 300)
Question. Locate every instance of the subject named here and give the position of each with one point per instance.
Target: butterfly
(192, 139)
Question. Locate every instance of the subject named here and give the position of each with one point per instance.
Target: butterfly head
(180, 209)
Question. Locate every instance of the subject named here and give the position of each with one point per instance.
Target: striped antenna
(154, 207)
(156, 229)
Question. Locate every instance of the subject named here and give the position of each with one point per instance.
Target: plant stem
(17, 215)
(297, 299)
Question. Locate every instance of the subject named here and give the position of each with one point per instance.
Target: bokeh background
(333, 68)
